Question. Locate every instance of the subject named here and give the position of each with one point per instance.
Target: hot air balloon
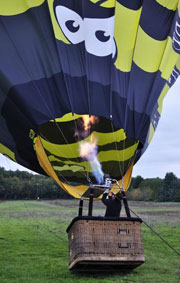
(82, 84)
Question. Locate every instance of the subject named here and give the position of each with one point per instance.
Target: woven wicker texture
(106, 240)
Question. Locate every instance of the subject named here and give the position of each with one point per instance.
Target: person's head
(113, 196)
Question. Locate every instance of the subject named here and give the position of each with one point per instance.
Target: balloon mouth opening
(83, 148)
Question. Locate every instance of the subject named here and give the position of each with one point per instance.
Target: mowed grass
(34, 247)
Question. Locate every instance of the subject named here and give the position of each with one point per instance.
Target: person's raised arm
(104, 200)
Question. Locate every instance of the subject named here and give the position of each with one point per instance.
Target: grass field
(33, 243)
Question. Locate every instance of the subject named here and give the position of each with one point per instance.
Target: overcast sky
(163, 154)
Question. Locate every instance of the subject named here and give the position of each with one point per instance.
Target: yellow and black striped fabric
(61, 59)
(116, 152)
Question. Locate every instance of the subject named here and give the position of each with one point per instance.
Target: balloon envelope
(63, 60)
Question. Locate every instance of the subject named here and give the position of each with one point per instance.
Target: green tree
(169, 187)
(176, 196)
(24, 185)
(136, 182)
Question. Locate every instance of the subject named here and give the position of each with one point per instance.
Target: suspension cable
(157, 234)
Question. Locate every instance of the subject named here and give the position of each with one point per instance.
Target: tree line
(155, 189)
(17, 185)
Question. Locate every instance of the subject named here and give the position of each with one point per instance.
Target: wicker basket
(97, 243)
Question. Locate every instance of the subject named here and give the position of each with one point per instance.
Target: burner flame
(88, 151)
(88, 121)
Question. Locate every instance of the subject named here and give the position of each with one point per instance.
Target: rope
(158, 235)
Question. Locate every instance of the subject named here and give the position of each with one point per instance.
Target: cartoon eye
(99, 38)
(70, 23)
